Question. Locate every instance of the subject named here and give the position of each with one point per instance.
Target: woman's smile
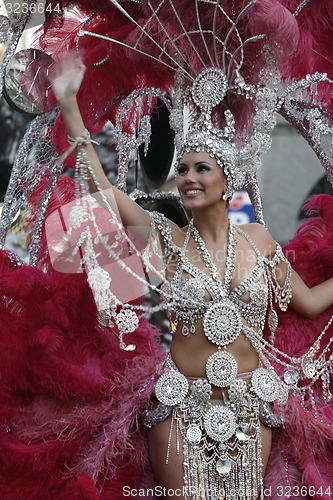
(191, 192)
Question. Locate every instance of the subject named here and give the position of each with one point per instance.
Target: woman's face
(200, 180)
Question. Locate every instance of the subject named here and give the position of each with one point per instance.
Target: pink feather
(278, 23)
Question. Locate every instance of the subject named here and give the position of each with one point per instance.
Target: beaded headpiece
(207, 91)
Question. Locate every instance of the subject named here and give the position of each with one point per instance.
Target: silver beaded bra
(190, 285)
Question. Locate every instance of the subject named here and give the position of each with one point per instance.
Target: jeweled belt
(219, 421)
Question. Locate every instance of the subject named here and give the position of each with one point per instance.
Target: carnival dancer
(211, 424)
(84, 371)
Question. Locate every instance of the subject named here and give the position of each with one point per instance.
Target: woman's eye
(182, 170)
(203, 168)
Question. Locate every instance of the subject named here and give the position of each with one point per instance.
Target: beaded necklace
(224, 285)
(222, 320)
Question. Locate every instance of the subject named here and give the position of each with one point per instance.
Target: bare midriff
(190, 354)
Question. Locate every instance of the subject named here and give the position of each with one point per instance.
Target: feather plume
(314, 51)
(305, 442)
(66, 426)
(278, 23)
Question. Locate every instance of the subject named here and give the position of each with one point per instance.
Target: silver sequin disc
(193, 433)
(220, 423)
(265, 384)
(221, 368)
(222, 323)
(171, 388)
(273, 320)
(308, 367)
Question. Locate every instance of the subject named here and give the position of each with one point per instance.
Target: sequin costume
(78, 372)
(221, 442)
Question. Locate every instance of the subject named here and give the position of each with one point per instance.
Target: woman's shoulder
(169, 230)
(261, 237)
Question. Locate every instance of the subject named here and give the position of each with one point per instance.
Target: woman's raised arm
(66, 79)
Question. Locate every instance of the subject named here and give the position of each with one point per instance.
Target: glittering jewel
(127, 321)
(221, 369)
(273, 320)
(193, 433)
(171, 388)
(172, 327)
(241, 433)
(291, 376)
(220, 423)
(223, 467)
(185, 330)
(128, 347)
(222, 323)
(265, 384)
(308, 366)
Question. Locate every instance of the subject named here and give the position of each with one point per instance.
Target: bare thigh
(170, 476)
(266, 441)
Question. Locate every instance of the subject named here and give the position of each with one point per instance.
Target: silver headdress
(207, 91)
(214, 77)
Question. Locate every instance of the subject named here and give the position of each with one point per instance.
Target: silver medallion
(171, 388)
(221, 369)
(308, 366)
(265, 384)
(222, 323)
(220, 423)
(209, 88)
(193, 433)
(127, 321)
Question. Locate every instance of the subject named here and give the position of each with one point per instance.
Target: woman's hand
(66, 76)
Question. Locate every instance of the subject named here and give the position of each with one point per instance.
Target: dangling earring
(225, 196)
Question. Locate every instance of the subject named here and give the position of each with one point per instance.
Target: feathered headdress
(220, 63)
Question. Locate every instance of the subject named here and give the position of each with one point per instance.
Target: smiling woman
(217, 384)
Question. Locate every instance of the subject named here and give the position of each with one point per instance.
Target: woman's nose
(190, 177)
